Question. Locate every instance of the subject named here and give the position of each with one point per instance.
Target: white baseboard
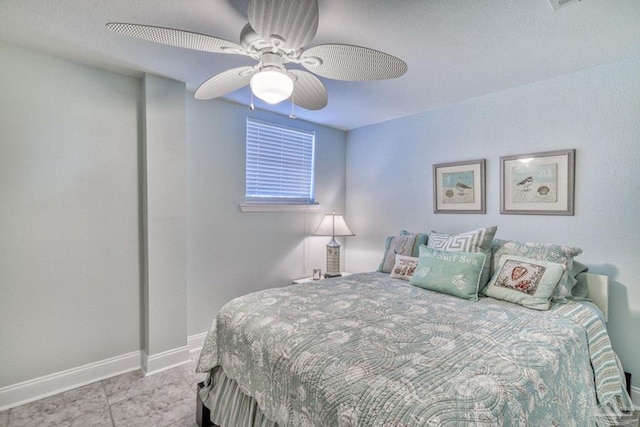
(195, 342)
(48, 385)
(166, 360)
(58, 382)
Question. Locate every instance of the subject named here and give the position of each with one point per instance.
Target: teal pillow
(525, 281)
(472, 241)
(406, 243)
(452, 273)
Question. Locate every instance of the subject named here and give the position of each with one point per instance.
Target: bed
(372, 349)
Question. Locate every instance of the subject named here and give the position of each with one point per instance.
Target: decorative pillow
(559, 254)
(525, 281)
(404, 267)
(405, 244)
(453, 273)
(579, 290)
(472, 241)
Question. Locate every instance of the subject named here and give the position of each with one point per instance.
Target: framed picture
(459, 187)
(538, 183)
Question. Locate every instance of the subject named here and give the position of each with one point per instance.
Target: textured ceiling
(455, 49)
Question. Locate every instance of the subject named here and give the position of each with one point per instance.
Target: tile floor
(165, 399)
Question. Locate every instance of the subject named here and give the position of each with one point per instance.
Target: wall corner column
(164, 227)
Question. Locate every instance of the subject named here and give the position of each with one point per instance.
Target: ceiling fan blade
(293, 23)
(308, 91)
(353, 63)
(177, 38)
(225, 82)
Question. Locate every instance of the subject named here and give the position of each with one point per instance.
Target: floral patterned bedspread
(367, 350)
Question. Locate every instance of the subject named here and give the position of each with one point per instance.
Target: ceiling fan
(276, 35)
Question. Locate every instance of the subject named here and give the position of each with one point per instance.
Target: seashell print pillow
(559, 254)
(404, 268)
(525, 281)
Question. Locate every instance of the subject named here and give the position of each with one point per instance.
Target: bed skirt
(228, 405)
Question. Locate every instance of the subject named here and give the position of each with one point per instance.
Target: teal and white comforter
(367, 350)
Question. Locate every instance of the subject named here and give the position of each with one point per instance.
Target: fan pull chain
(292, 116)
(251, 106)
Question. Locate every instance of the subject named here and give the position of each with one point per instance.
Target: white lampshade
(333, 225)
(271, 86)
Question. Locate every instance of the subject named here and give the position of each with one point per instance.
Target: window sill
(275, 207)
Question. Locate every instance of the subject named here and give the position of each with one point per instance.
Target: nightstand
(310, 279)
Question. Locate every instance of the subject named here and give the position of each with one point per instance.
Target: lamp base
(333, 259)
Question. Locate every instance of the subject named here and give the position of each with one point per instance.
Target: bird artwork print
(526, 183)
(462, 187)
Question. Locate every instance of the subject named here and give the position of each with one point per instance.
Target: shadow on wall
(618, 303)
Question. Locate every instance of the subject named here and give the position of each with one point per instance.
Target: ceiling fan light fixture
(272, 86)
(277, 34)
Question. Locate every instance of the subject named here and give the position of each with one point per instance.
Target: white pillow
(404, 267)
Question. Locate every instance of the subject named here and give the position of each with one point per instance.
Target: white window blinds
(279, 164)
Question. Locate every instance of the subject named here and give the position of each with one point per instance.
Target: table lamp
(333, 225)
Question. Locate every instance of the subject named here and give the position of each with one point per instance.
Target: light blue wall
(597, 112)
(69, 215)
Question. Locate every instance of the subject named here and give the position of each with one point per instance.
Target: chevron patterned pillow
(472, 241)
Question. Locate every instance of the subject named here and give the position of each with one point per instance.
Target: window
(279, 164)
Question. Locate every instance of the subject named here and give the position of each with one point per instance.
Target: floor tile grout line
(106, 398)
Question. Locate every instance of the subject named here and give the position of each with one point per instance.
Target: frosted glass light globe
(271, 86)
